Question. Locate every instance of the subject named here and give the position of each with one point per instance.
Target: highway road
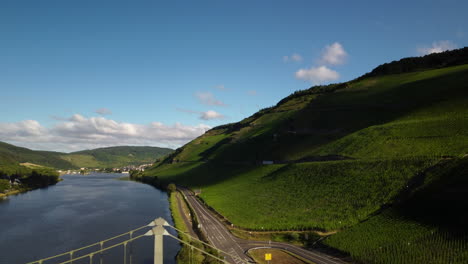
(220, 237)
(215, 231)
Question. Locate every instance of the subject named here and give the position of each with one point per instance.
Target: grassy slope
(185, 255)
(393, 127)
(277, 257)
(400, 197)
(11, 156)
(429, 227)
(115, 156)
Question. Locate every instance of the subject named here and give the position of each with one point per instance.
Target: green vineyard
(388, 238)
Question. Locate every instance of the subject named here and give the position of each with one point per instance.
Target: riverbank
(181, 216)
(93, 207)
(14, 192)
(25, 189)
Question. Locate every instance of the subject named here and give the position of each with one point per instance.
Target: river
(81, 210)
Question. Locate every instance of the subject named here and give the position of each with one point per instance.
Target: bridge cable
(201, 250)
(99, 251)
(211, 246)
(71, 252)
(219, 250)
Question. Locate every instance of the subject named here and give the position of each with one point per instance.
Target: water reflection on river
(78, 211)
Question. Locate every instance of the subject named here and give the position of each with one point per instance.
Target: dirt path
(185, 213)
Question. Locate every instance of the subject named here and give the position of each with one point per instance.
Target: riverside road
(219, 236)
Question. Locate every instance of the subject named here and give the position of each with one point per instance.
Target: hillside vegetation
(96, 158)
(115, 156)
(346, 156)
(429, 227)
(16, 178)
(10, 154)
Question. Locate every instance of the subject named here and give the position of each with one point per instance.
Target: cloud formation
(79, 132)
(317, 75)
(334, 54)
(103, 111)
(295, 58)
(210, 115)
(208, 98)
(437, 47)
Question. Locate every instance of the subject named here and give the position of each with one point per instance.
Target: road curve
(220, 237)
(215, 231)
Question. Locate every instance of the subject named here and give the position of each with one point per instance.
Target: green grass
(116, 156)
(388, 238)
(185, 255)
(278, 256)
(10, 154)
(428, 227)
(323, 195)
(29, 176)
(97, 158)
(431, 137)
(394, 133)
(394, 127)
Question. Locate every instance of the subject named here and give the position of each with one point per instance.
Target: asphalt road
(216, 232)
(219, 236)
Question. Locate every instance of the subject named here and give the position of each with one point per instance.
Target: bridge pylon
(158, 231)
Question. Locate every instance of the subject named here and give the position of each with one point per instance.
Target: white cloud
(79, 132)
(103, 111)
(334, 54)
(208, 98)
(295, 57)
(26, 128)
(437, 47)
(210, 115)
(317, 75)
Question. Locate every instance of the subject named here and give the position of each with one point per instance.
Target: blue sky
(85, 74)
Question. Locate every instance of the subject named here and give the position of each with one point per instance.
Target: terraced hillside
(379, 130)
(342, 153)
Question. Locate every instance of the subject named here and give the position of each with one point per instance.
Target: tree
(4, 185)
(171, 188)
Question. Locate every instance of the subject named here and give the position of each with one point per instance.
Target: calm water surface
(79, 211)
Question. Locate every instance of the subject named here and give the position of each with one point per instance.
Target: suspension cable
(201, 250)
(90, 255)
(101, 250)
(211, 246)
(88, 246)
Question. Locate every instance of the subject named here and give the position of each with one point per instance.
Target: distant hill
(96, 158)
(13, 154)
(116, 156)
(348, 156)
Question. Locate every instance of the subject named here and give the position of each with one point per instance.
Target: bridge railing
(157, 230)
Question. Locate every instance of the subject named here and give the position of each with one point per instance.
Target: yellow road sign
(268, 256)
